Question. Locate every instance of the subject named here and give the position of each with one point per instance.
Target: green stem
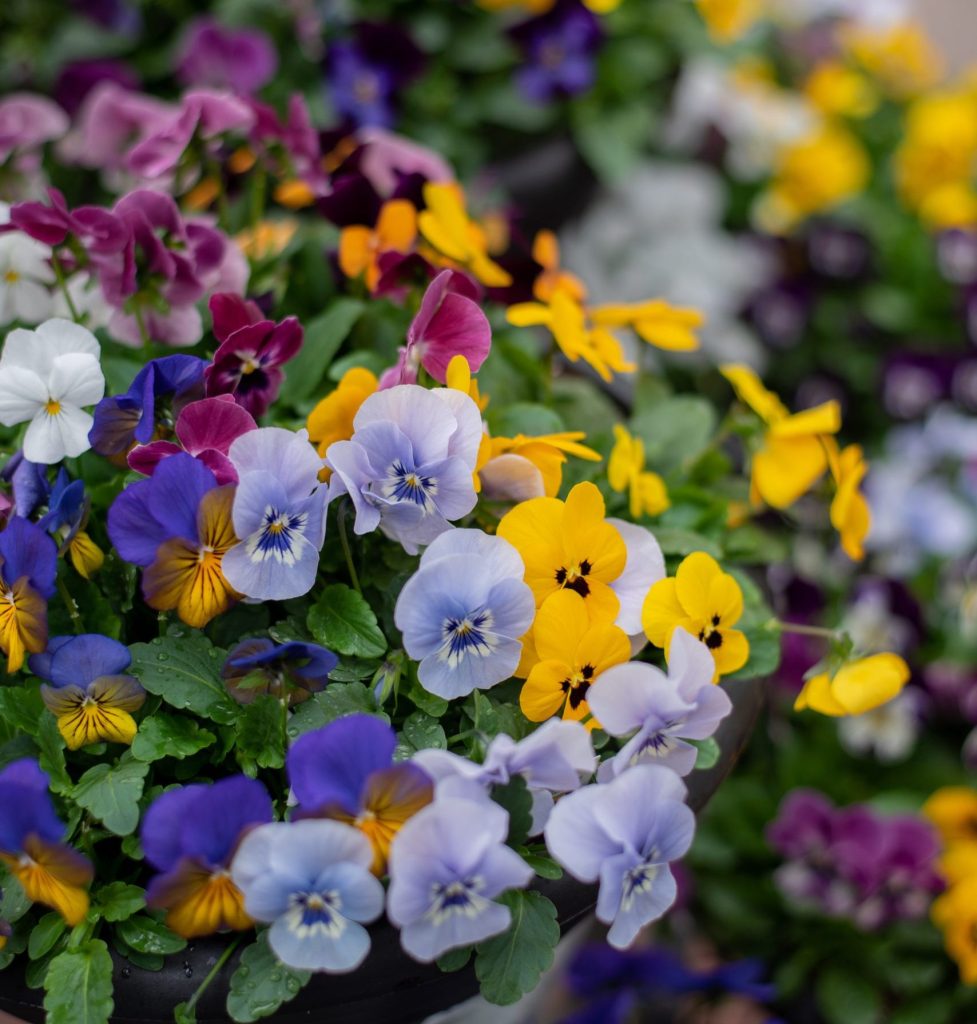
(63, 285)
(214, 169)
(214, 971)
(143, 332)
(796, 627)
(257, 199)
(347, 551)
(70, 604)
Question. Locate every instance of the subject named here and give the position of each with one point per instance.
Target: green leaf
(933, 1008)
(111, 794)
(342, 621)
(260, 740)
(51, 759)
(518, 801)
(612, 138)
(455, 959)
(423, 732)
(847, 997)
(79, 985)
(708, 753)
(335, 701)
(673, 540)
(44, 935)
(21, 707)
(525, 418)
(510, 965)
(14, 902)
(323, 336)
(676, 431)
(146, 935)
(545, 867)
(185, 672)
(764, 653)
(166, 735)
(262, 983)
(429, 703)
(117, 900)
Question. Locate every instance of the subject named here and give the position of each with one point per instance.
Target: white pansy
(88, 300)
(47, 378)
(25, 276)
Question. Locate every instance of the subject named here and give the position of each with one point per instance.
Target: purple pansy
(408, 467)
(660, 713)
(78, 78)
(560, 47)
(213, 55)
(292, 671)
(624, 834)
(448, 865)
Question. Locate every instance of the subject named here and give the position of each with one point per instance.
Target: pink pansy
(99, 231)
(386, 157)
(449, 323)
(206, 430)
(296, 139)
(214, 55)
(248, 363)
(27, 122)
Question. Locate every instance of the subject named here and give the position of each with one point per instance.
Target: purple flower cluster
(854, 863)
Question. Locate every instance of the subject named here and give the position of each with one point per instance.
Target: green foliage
(846, 997)
(119, 900)
(45, 934)
(335, 701)
(518, 801)
(708, 752)
(147, 935)
(260, 740)
(323, 336)
(342, 620)
(111, 794)
(262, 983)
(78, 985)
(166, 735)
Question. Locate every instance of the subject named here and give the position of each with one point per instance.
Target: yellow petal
(355, 249)
(822, 419)
(787, 468)
(725, 600)
(750, 390)
(693, 582)
(603, 646)
(732, 654)
(396, 226)
(817, 696)
(870, 682)
(542, 695)
(662, 612)
(86, 556)
(199, 902)
(560, 623)
(533, 528)
(528, 314)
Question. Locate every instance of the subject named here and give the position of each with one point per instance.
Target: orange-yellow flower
(647, 494)
(523, 467)
(360, 247)
(332, 419)
(655, 321)
(953, 812)
(856, 687)
(546, 252)
(850, 513)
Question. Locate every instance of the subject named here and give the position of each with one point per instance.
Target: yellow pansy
(647, 494)
(524, 466)
(953, 812)
(901, 58)
(811, 175)
(23, 621)
(850, 513)
(576, 337)
(727, 20)
(655, 321)
(200, 901)
(52, 874)
(360, 247)
(459, 377)
(546, 252)
(794, 454)
(959, 861)
(446, 226)
(295, 194)
(573, 651)
(266, 239)
(704, 601)
(838, 90)
(568, 545)
(856, 687)
(955, 914)
(86, 556)
(332, 419)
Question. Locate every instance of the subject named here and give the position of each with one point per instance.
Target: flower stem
(796, 627)
(70, 604)
(63, 285)
(212, 973)
(347, 551)
(143, 332)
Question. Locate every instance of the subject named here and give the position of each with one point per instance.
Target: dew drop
(126, 972)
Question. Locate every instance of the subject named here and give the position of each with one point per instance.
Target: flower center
(574, 577)
(577, 685)
(11, 277)
(276, 536)
(405, 484)
(710, 635)
(636, 882)
(316, 914)
(366, 88)
(461, 896)
(52, 407)
(249, 363)
(466, 636)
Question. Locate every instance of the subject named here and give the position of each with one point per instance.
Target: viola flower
(291, 672)
(28, 568)
(856, 687)
(554, 759)
(462, 613)
(360, 247)
(559, 48)
(447, 866)
(346, 771)
(647, 494)
(793, 455)
(887, 732)
(120, 421)
(657, 712)
(655, 321)
(31, 846)
(279, 514)
(252, 351)
(87, 689)
(523, 467)
(408, 466)
(78, 78)
(728, 20)
(704, 601)
(47, 377)
(552, 277)
(850, 513)
(624, 834)
(177, 526)
(955, 914)
(213, 55)
(311, 881)
(206, 429)
(66, 519)
(446, 226)
(574, 650)
(953, 813)
(190, 836)
(332, 418)
(26, 276)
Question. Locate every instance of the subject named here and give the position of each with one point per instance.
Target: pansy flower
(346, 771)
(47, 378)
(794, 453)
(448, 865)
(88, 690)
(626, 473)
(574, 651)
(462, 613)
(332, 418)
(659, 713)
(446, 226)
(124, 420)
(279, 514)
(704, 601)
(552, 277)
(624, 834)
(360, 247)
(252, 351)
(28, 569)
(311, 881)
(850, 512)
(26, 276)
(205, 429)
(32, 847)
(177, 526)
(856, 687)
(66, 519)
(655, 321)
(290, 672)
(408, 466)
(190, 835)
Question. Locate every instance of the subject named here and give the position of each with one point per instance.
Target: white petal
(49, 439)
(77, 380)
(63, 336)
(31, 301)
(22, 393)
(22, 349)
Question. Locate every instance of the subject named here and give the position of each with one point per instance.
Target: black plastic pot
(389, 988)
